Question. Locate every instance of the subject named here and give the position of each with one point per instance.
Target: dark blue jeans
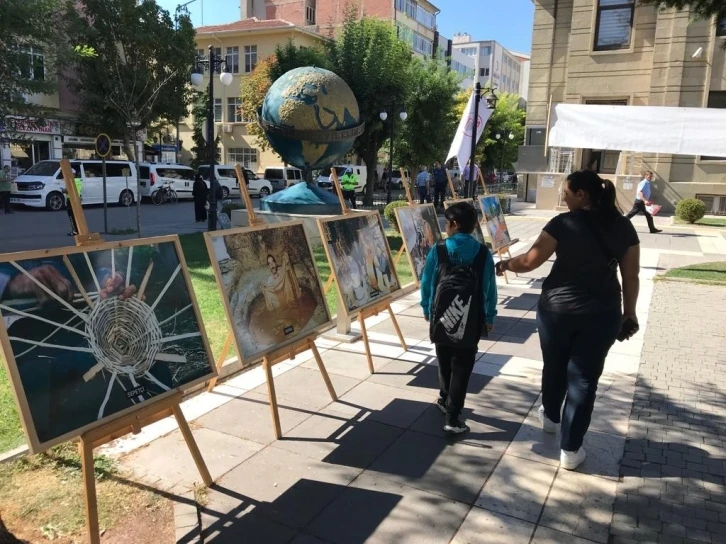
(574, 348)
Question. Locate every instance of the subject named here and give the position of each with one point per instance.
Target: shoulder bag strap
(442, 252)
(612, 260)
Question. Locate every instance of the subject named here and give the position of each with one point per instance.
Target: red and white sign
(31, 125)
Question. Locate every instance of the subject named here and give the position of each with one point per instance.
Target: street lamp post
(491, 99)
(384, 115)
(503, 137)
(212, 62)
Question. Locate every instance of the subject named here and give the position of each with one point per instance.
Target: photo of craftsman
(419, 227)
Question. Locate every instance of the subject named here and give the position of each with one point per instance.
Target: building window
(614, 23)
(422, 45)
(34, 64)
(233, 59)
(486, 50)
(721, 27)
(217, 110)
(250, 58)
(234, 111)
(468, 51)
(245, 156)
(716, 99)
(310, 15)
(411, 8)
(218, 55)
(426, 18)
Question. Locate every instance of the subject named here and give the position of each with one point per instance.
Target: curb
(12, 455)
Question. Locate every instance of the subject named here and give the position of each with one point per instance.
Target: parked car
(42, 185)
(282, 177)
(324, 181)
(153, 176)
(396, 181)
(227, 178)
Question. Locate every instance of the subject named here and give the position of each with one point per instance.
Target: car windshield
(43, 168)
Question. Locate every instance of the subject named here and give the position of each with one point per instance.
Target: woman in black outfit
(199, 192)
(579, 314)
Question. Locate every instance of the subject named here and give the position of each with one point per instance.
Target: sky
(508, 22)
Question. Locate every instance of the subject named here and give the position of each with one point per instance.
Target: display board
(419, 226)
(92, 333)
(270, 284)
(360, 259)
(478, 234)
(495, 223)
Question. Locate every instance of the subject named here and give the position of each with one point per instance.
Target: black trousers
(350, 195)
(439, 195)
(200, 210)
(574, 348)
(423, 195)
(455, 366)
(639, 207)
(5, 200)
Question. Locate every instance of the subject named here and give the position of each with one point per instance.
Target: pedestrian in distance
(5, 189)
(579, 314)
(422, 184)
(199, 193)
(440, 181)
(642, 199)
(459, 300)
(349, 183)
(466, 175)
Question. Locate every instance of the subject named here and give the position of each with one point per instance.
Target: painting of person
(420, 230)
(496, 224)
(282, 288)
(478, 233)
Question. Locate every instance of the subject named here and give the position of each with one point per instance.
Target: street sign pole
(103, 148)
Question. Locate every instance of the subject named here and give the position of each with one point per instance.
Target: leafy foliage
(389, 213)
(690, 209)
(507, 118)
(201, 148)
(700, 8)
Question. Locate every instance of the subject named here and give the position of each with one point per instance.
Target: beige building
(622, 52)
(244, 43)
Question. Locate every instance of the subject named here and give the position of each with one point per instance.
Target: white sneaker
(548, 425)
(570, 460)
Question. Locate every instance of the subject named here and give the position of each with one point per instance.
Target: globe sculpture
(310, 117)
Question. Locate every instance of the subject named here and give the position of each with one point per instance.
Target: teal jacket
(462, 250)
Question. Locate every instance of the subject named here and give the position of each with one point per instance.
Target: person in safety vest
(349, 182)
(79, 189)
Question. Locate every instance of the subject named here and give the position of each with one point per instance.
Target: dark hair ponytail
(601, 191)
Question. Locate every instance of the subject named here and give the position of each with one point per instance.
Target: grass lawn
(706, 222)
(215, 321)
(705, 272)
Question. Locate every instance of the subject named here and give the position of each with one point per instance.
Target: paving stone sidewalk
(672, 475)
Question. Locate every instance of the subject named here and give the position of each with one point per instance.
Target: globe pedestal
(304, 199)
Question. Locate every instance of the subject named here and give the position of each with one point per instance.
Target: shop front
(27, 140)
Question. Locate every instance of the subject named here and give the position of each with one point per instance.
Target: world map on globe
(310, 117)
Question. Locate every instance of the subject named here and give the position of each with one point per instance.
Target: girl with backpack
(459, 300)
(579, 314)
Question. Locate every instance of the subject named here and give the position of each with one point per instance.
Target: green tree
(507, 118)
(700, 8)
(374, 63)
(27, 27)
(431, 104)
(201, 148)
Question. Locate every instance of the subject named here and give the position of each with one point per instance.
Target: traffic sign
(103, 145)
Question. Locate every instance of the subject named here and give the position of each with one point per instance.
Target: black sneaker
(441, 405)
(455, 426)
(655, 231)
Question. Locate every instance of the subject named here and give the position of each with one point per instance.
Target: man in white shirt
(642, 199)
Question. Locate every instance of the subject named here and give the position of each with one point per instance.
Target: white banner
(647, 129)
(461, 146)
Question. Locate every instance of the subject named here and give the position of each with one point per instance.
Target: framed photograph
(495, 223)
(420, 231)
(271, 288)
(360, 259)
(91, 334)
(478, 234)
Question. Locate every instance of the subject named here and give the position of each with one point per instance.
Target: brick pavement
(671, 486)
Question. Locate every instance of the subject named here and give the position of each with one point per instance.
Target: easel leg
(220, 361)
(89, 482)
(399, 255)
(192, 445)
(398, 329)
(329, 283)
(273, 397)
(367, 346)
(499, 254)
(510, 258)
(323, 370)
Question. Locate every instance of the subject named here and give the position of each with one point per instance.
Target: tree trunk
(371, 162)
(132, 153)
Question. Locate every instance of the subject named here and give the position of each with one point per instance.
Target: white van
(153, 176)
(282, 177)
(42, 185)
(227, 178)
(360, 171)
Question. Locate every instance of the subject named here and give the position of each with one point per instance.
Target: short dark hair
(463, 214)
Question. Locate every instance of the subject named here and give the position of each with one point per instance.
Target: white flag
(461, 146)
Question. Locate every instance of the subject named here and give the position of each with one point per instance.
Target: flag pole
(474, 130)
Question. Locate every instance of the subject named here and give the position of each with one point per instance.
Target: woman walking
(199, 192)
(579, 315)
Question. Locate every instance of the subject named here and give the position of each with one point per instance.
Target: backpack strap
(442, 252)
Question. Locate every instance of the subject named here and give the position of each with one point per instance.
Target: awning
(647, 129)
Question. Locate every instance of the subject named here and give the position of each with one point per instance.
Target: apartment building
(623, 52)
(494, 64)
(243, 43)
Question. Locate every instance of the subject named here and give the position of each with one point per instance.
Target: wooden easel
(481, 180)
(451, 184)
(133, 422)
(277, 356)
(382, 305)
(501, 251)
(406, 182)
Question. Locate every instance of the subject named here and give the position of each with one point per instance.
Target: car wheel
(55, 201)
(264, 191)
(225, 192)
(126, 198)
